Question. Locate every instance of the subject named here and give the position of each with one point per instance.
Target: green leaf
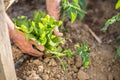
(43, 39)
(83, 4)
(21, 20)
(118, 38)
(64, 66)
(73, 16)
(38, 15)
(73, 9)
(68, 53)
(75, 1)
(40, 29)
(83, 51)
(31, 28)
(24, 28)
(29, 36)
(51, 42)
(117, 4)
(81, 15)
(118, 51)
(111, 21)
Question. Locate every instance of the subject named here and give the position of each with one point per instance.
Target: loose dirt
(104, 64)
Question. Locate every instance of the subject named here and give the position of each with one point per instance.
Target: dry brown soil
(104, 65)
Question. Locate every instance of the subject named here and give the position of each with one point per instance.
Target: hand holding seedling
(53, 8)
(19, 38)
(41, 33)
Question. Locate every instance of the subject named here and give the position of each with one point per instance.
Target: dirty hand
(19, 39)
(53, 8)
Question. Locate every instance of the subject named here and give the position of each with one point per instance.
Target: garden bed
(104, 64)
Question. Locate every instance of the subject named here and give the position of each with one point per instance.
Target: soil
(104, 64)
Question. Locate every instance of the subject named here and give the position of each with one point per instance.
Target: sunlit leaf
(68, 53)
(83, 51)
(111, 21)
(117, 4)
(118, 51)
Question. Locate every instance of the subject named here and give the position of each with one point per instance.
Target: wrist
(12, 33)
(53, 8)
(11, 29)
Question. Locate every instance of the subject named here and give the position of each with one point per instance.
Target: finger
(39, 47)
(57, 33)
(35, 52)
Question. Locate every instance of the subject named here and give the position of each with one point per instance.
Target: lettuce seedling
(40, 29)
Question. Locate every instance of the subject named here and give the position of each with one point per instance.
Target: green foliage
(83, 51)
(117, 4)
(83, 4)
(114, 19)
(68, 53)
(73, 9)
(118, 38)
(118, 51)
(110, 21)
(40, 29)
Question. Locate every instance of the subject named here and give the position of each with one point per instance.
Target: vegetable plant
(112, 20)
(83, 50)
(74, 9)
(40, 29)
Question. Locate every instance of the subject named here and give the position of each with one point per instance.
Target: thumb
(39, 47)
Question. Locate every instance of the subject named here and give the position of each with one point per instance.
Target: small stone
(82, 75)
(75, 69)
(34, 76)
(47, 71)
(102, 68)
(110, 77)
(109, 69)
(46, 60)
(113, 60)
(40, 68)
(36, 61)
(53, 79)
(58, 76)
(45, 77)
(19, 78)
(52, 63)
(24, 76)
(28, 73)
(74, 75)
(78, 61)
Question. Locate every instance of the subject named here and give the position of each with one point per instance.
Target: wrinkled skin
(19, 38)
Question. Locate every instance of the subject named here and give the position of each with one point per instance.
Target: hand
(53, 8)
(19, 39)
(57, 33)
(26, 46)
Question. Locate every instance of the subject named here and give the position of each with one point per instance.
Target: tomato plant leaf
(111, 21)
(83, 51)
(118, 51)
(73, 9)
(117, 4)
(83, 4)
(68, 53)
(75, 1)
(73, 16)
